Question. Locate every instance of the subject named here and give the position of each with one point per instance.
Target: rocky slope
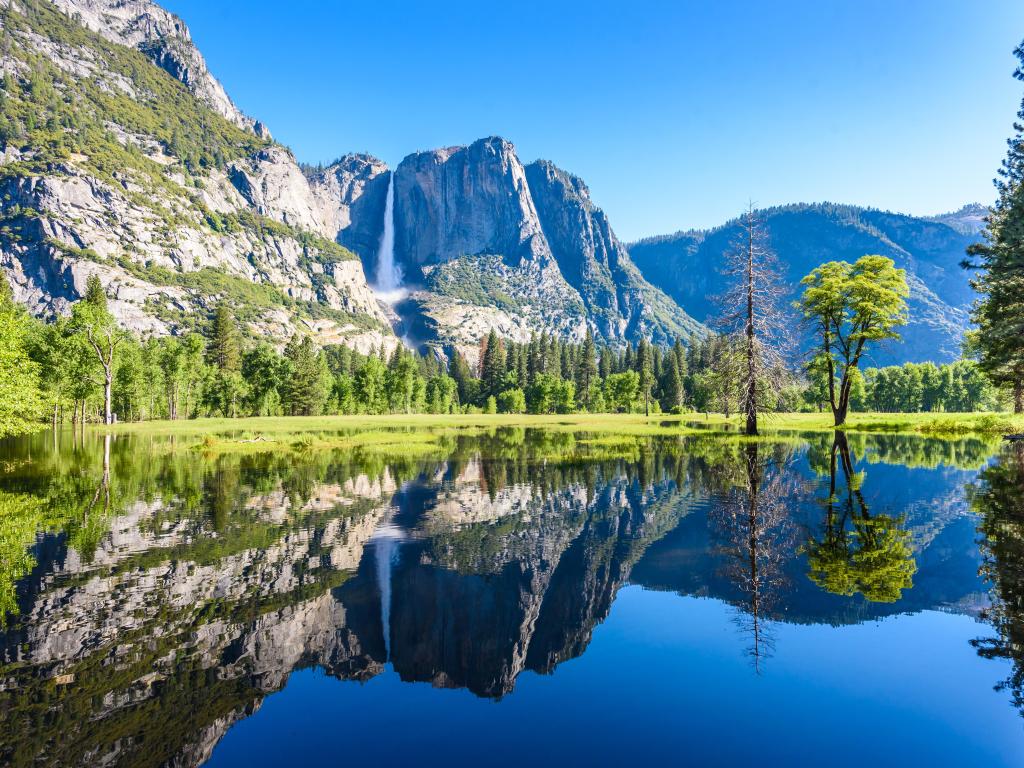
(123, 157)
(686, 265)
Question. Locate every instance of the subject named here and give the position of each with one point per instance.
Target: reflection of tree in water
(756, 533)
(873, 556)
(999, 499)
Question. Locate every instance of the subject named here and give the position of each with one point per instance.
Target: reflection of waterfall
(386, 540)
(389, 274)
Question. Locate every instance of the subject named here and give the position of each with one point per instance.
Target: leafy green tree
(370, 392)
(849, 306)
(263, 370)
(442, 394)
(512, 401)
(91, 319)
(400, 382)
(21, 404)
(999, 313)
(622, 391)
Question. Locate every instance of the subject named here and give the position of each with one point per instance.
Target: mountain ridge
(805, 235)
(123, 156)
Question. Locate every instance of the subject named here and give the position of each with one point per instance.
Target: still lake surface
(514, 597)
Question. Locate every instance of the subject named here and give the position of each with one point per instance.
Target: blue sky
(674, 113)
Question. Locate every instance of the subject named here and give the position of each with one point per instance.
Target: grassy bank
(915, 423)
(421, 432)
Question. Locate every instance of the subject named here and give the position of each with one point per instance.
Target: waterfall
(386, 542)
(389, 274)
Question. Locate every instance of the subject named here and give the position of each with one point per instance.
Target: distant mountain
(686, 265)
(969, 220)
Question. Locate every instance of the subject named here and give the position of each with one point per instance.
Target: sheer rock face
(166, 40)
(462, 201)
(494, 244)
(350, 197)
(620, 303)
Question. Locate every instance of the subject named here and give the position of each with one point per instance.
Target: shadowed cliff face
(159, 598)
(621, 303)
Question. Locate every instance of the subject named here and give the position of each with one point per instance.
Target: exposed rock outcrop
(620, 303)
(170, 220)
(490, 243)
(166, 40)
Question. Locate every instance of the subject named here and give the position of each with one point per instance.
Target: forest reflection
(139, 579)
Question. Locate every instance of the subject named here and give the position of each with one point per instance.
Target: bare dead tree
(753, 312)
(755, 530)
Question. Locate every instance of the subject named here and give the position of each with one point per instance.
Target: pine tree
(306, 388)
(586, 368)
(672, 385)
(95, 296)
(535, 363)
(999, 313)
(645, 371)
(467, 386)
(224, 348)
(492, 366)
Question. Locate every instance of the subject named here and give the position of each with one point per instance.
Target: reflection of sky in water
(666, 681)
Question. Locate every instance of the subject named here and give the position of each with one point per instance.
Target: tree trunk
(55, 405)
(1018, 396)
(751, 392)
(108, 384)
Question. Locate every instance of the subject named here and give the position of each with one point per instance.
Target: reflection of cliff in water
(144, 634)
(476, 604)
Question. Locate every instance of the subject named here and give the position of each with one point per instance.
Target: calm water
(516, 598)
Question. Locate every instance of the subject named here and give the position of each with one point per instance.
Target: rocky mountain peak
(468, 200)
(166, 40)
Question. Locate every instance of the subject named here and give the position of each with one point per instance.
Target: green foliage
(959, 387)
(849, 306)
(999, 314)
(21, 403)
(56, 114)
(223, 346)
(475, 280)
(512, 401)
